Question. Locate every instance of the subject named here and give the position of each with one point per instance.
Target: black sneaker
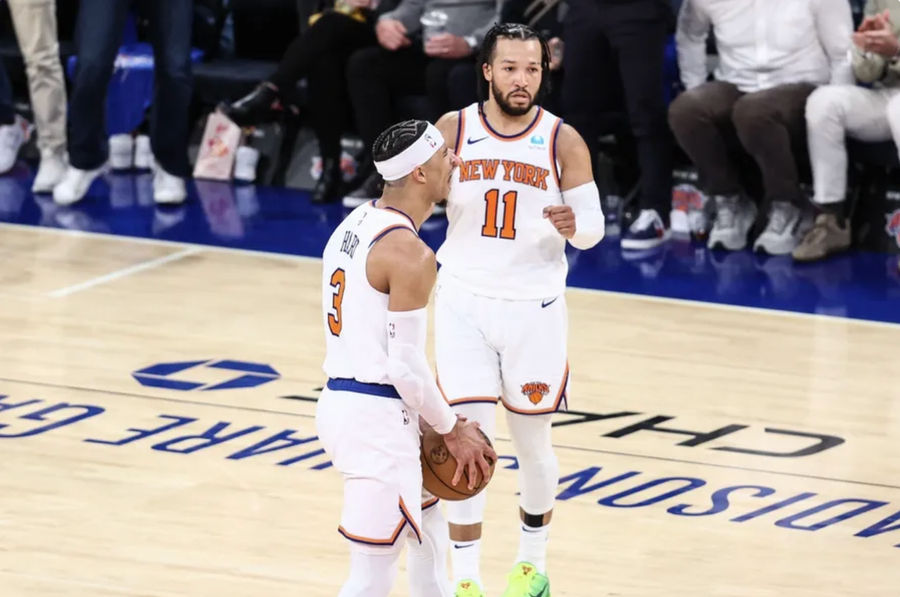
(370, 190)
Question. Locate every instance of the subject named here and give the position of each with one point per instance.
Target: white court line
(122, 273)
(819, 317)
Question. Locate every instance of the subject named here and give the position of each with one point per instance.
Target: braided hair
(515, 31)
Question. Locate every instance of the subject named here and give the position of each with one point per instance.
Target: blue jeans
(98, 37)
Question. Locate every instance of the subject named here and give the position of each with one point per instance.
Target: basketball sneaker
(526, 581)
(468, 588)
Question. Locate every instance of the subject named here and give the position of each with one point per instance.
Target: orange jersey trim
(367, 541)
(464, 399)
(409, 519)
(516, 137)
(387, 230)
(429, 503)
(559, 397)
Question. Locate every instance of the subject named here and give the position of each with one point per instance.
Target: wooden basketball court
(775, 472)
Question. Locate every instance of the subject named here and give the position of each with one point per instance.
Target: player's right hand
(470, 448)
(391, 34)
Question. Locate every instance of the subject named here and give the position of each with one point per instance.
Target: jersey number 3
(335, 320)
(492, 206)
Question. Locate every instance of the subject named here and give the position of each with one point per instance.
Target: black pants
(320, 54)
(377, 77)
(628, 38)
(99, 33)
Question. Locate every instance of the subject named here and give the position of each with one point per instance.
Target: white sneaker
(12, 137)
(734, 218)
(74, 185)
(167, 188)
(121, 152)
(245, 162)
(143, 153)
(646, 232)
(781, 234)
(50, 171)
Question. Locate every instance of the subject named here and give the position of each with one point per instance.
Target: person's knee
(824, 104)
(363, 65)
(685, 110)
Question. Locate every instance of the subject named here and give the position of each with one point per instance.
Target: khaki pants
(35, 25)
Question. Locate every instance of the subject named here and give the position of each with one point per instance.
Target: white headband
(413, 156)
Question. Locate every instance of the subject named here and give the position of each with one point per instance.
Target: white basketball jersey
(355, 314)
(498, 242)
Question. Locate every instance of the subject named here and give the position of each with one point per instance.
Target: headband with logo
(413, 156)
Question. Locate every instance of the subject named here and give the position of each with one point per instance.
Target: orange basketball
(439, 465)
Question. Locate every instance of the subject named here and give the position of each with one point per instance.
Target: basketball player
(377, 279)
(524, 188)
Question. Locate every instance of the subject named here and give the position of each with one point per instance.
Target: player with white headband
(377, 279)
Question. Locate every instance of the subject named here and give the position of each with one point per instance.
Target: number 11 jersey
(498, 242)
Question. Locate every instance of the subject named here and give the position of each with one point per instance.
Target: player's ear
(419, 174)
(487, 72)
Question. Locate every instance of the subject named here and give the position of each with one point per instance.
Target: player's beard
(506, 106)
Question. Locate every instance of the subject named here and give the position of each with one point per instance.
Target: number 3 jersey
(354, 313)
(498, 242)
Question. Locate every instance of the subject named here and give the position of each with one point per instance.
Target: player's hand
(391, 34)
(468, 445)
(563, 219)
(447, 45)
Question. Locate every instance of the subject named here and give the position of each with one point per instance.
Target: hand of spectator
(391, 34)
(880, 41)
(556, 53)
(447, 45)
(563, 219)
(876, 22)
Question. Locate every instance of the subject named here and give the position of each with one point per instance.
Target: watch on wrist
(473, 43)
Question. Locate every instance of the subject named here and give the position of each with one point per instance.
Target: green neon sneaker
(468, 588)
(526, 581)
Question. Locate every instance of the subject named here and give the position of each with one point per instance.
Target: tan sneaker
(826, 238)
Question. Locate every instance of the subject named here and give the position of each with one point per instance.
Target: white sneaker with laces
(781, 234)
(74, 185)
(168, 189)
(12, 137)
(734, 218)
(50, 171)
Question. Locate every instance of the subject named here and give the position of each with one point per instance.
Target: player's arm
(405, 268)
(580, 217)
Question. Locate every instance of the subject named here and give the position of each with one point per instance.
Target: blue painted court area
(857, 285)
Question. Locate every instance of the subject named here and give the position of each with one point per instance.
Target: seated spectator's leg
(701, 119)
(770, 124)
(374, 77)
(439, 87)
(171, 22)
(35, 24)
(332, 33)
(330, 108)
(98, 36)
(637, 31)
(462, 85)
(834, 112)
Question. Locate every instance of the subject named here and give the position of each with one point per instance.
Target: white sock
(533, 546)
(465, 556)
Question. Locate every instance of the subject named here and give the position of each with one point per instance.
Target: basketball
(439, 465)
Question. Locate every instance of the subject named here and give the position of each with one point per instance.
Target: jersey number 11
(492, 205)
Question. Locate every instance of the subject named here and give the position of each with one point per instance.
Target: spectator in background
(869, 114)
(35, 25)
(320, 54)
(772, 55)
(406, 63)
(98, 37)
(633, 34)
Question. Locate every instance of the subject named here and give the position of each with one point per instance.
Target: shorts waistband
(340, 384)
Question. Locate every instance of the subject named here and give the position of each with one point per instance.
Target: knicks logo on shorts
(535, 391)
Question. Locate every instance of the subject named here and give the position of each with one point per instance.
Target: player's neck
(507, 124)
(416, 208)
